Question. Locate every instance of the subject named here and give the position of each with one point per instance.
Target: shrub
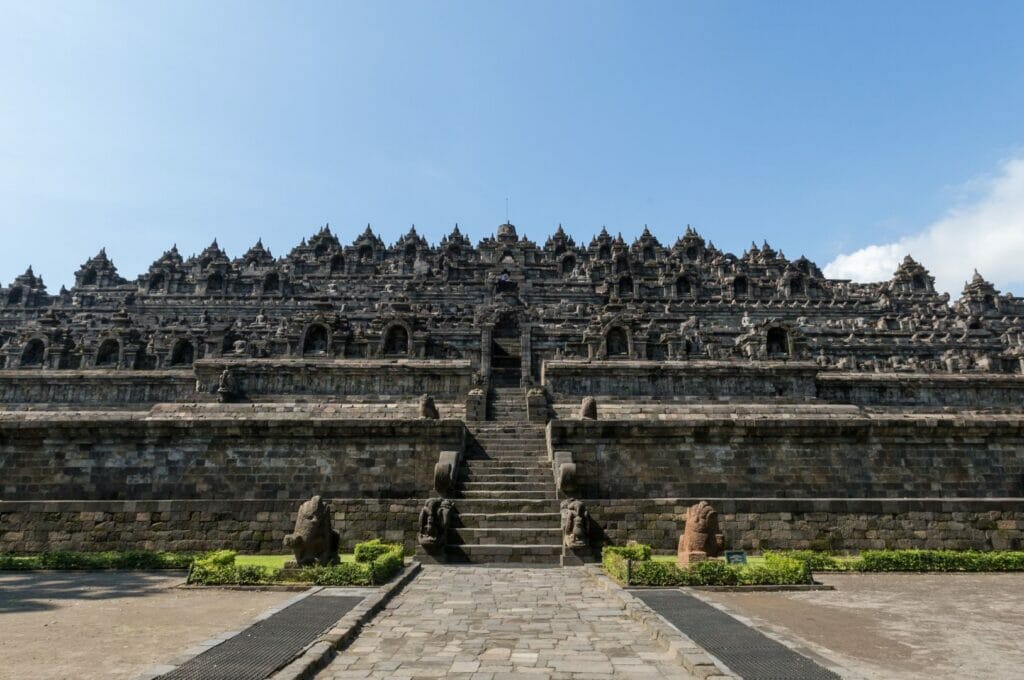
(231, 574)
(387, 564)
(217, 558)
(939, 560)
(632, 551)
(111, 559)
(776, 570)
(220, 569)
(368, 551)
(817, 561)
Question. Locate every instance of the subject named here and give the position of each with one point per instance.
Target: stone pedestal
(687, 557)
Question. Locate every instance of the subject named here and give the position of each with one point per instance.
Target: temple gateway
(550, 398)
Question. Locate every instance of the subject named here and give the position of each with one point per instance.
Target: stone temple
(553, 396)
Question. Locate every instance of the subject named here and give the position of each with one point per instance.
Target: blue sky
(826, 128)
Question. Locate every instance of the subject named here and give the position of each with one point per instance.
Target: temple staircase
(508, 511)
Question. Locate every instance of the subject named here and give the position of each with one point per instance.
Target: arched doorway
(34, 353)
(396, 341)
(506, 352)
(616, 342)
(316, 341)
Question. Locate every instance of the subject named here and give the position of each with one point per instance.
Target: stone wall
(750, 523)
(112, 456)
(752, 381)
(124, 389)
(254, 526)
(970, 390)
(771, 455)
(688, 379)
(332, 378)
(822, 524)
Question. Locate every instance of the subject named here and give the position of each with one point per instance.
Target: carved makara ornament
(313, 541)
(700, 539)
(435, 520)
(575, 524)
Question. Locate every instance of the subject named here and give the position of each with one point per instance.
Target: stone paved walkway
(492, 624)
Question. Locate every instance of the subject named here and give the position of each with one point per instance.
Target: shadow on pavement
(37, 590)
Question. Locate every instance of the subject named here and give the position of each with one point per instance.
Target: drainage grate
(267, 645)
(749, 653)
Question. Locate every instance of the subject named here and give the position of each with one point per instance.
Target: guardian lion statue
(700, 539)
(313, 541)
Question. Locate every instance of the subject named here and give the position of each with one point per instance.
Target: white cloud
(985, 233)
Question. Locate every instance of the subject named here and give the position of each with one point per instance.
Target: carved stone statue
(588, 409)
(700, 539)
(313, 541)
(428, 409)
(575, 524)
(435, 520)
(227, 386)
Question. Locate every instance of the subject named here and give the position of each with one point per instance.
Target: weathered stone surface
(313, 540)
(700, 539)
(575, 524)
(435, 520)
(740, 378)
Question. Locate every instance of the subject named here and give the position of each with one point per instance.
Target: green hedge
(939, 560)
(818, 561)
(910, 560)
(111, 559)
(370, 550)
(776, 570)
(633, 551)
(376, 567)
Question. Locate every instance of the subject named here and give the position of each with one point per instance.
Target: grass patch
(751, 559)
(277, 561)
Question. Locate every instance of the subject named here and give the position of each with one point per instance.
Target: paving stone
(535, 623)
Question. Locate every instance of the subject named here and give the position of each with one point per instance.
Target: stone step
(507, 506)
(489, 553)
(485, 443)
(507, 486)
(496, 465)
(509, 494)
(511, 454)
(504, 535)
(531, 475)
(510, 459)
(501, 520)
(517, 441)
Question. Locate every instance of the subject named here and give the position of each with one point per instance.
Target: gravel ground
(899, 625)
(114, 624)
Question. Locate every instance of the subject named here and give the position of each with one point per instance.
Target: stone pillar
(476, 405)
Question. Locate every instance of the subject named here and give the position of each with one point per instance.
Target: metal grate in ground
(267, 645)
(749, 653)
